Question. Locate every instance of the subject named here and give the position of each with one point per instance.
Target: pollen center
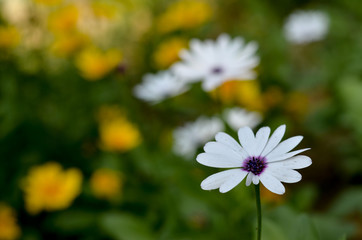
(217, 70)
(256, 165)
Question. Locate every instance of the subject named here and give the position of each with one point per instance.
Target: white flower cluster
(212, 62)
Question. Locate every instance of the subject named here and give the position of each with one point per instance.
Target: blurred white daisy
(306, 26)
(194, 134)
(215, 62)
(157, 87)
(238, 117)
(258, 158)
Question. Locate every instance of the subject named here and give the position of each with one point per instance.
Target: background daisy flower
(157, 87)
(306, 26)
(215, 62)
(192, 135)
(238, 117)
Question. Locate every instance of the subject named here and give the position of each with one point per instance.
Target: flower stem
(258, 209)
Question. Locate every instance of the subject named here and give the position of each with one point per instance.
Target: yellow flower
(49, 187)
(273, 96)
(297, 104)
(48, 2)
(9, 37)
(244, 93)
(95, 63)
(64, 19)
(104, 9)
(184, 14)
(66, 44)
(167, 52)
(106, 183)
(9, 229)
(116, 132)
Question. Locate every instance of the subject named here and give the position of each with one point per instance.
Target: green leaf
(272, 231)
(123, 226)
(74, 220)
(349, 202)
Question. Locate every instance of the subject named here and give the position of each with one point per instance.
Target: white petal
(285, 175)
(285, 146)
(297, 162)
(274, 140)
(271, 183)
(261, 139)
(211, 82)
(219, 148)
(231, 143)
(232, 182)
(247, 139)
(286, 155)
(218, 160)
(249, 178)
(255, 179)
(216, 180)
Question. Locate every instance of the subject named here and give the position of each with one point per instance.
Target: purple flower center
(217, 70)
(256, 165)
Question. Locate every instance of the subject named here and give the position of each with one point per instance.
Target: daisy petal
(247, 139)
(249, 178)
(286, 155)
(297, 162)
(219, 148)
(285, 146)
(255, 179)
(272, 183)
(285, 175)
(274, 140)
(231, 143)
(216, 180)
(261, 139)
(232, 182)
(218, 160)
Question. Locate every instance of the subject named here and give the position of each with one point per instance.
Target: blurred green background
(82, 158)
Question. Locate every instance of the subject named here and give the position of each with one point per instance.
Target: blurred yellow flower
(119, 135)
(64, 19)
(116, 132)
(297, 104)
(272, 97)
(95, 63)
(48, 2)
(184, 14)
(9, 37)
(167, 52)
(9, 229)
(66, 44)
(104, 9)
(244, 93)
(106, 183)
(48, 187)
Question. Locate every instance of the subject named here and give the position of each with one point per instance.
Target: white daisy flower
(193, 135)
(258, 158)
(215, 62)
(238, 117)
(157, 87)
(306, 26)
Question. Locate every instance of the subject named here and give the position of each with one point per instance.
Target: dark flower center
(217, 70)
(256, 165)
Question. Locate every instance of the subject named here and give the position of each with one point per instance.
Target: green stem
(258, 209)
